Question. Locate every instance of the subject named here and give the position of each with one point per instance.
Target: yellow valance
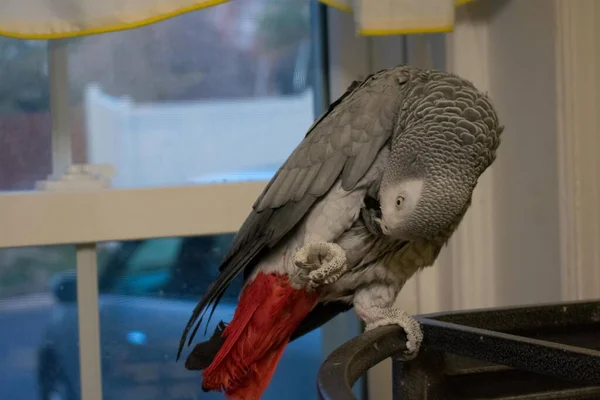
(400, 17)
(346, 5)
(56, 19)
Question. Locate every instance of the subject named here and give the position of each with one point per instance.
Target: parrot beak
(371, 214)
(374, 206)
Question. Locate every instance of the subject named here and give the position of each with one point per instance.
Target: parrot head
(433, 168)
(416, 208)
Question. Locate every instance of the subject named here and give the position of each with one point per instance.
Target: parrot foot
(318, 264)
(393, 316)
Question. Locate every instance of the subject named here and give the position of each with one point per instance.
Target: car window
(107, 251)
(174, 267)
(198, 266)
(148, 269)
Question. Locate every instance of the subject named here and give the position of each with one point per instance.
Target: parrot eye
(399, 201)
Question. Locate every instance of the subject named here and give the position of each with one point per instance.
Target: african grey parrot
(369, 197)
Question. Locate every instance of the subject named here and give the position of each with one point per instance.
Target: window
(217, 96)
(25, 123)
(31, 282)
(162, 280)
(221, 94)
(168, 267)
(147, 269)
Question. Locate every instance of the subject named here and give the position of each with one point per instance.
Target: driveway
(22, 323)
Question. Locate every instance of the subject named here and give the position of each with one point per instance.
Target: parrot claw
(319, 264)
(412, 328)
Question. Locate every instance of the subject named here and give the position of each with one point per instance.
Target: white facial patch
(398, 201)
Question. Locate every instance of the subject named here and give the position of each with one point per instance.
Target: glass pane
(25, 125)
(220, 94)
(38, 323)
(148, 290)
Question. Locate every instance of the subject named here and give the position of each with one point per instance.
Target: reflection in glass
(197, 98)
(25, 125)
(147, 291)
(35, 282)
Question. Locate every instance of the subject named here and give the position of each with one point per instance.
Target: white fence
(177, 143)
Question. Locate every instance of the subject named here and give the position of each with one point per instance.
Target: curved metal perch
(545, 352)
(350, 361)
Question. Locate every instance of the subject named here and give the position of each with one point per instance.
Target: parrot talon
(319, 264)
(394, 316)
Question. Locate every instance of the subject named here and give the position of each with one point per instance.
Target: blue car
(148, 289)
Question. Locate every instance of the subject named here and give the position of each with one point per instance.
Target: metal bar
(59, 105)
(88, 322)
(532, 352)
(348, 362)
(421, 378)
(535, 317)
(320, 65)
(539, 356)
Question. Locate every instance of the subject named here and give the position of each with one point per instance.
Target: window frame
(51, 218)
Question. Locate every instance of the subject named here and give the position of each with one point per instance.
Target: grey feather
(356, 128)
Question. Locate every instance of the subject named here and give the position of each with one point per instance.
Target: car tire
(53, 383)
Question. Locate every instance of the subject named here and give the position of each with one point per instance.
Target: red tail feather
(268, 313)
